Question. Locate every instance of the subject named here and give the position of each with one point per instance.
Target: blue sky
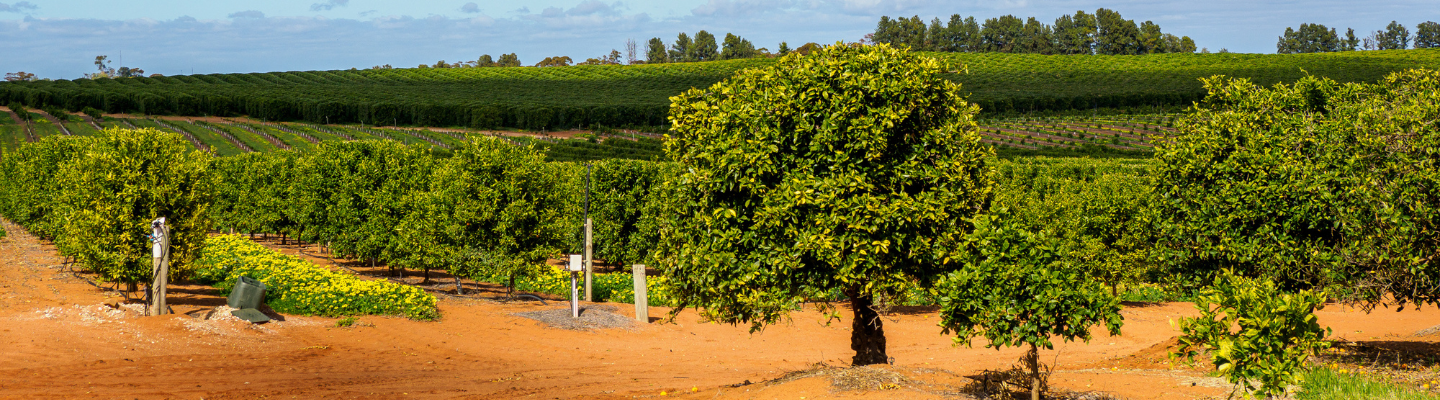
(60, 39)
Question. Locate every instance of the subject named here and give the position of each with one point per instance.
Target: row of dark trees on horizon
(1104, 32)
(1317, 38)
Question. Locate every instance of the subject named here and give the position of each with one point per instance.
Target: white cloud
(470, 8)
(329, 5)
(18, 7)
(248, 14)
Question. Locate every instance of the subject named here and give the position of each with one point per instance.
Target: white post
(642, 301)
(575, 267)
(589, 263)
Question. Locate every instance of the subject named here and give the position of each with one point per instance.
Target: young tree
(1018, 290)
(784, 49)
(1427, 35)
(787, 194)
(485, 61)
(704, 48)
(655, 52)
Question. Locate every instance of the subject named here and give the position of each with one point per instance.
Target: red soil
(58, 339)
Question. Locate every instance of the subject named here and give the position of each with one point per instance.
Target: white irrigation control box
(576, 263)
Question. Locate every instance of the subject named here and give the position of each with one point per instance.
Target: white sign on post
(576, 264)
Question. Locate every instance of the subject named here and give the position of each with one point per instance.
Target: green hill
(579, 96)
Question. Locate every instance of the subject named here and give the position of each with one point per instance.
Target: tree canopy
(852, 170)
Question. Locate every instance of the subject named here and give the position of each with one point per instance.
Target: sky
(60, 39)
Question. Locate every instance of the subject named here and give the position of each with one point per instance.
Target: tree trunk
(1032, 360)
(459, 290)
(427, 275)
(510, 289)
(867, 334)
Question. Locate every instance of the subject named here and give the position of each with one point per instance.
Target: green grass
(1327, 384)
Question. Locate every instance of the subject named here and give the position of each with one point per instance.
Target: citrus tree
(124, 179)
(492, 209)
(1021, 286)
(1315, 184)
(30, 183)
(852, 169)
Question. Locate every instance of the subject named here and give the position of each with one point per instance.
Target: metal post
(574, 297)
(589, 263)
(642, 300)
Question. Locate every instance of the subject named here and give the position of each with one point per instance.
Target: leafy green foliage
(1255, 333)
(31, 183)
(623, 220)
(1017, 288)
(496, 207)
(123, 180)
(853, 169)
(1316, 184)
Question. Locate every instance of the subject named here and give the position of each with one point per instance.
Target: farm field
(61, 341)
(233, 136)
(558, 98)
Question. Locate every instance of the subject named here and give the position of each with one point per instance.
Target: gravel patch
(592, 317)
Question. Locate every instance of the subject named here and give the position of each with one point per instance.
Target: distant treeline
(1104, 32)
(1316, 38)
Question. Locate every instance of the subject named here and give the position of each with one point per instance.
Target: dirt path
(59, 340)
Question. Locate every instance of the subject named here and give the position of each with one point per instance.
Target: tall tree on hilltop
(680, 51)
(655, 52)
(1427, 35)
(705, 48)
(1075, 35)
(1002, 35)
(508, 60)
(1394, 37)
(1036, 38)
(737, 47)
(1151, 39)
(1116, 35)
(1350, 43)
(1310, 38)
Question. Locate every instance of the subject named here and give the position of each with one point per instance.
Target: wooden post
(642, 301)
(160, 271)
(589, 263)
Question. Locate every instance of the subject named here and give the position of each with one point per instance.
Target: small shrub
(345, 322)
(1254, 333)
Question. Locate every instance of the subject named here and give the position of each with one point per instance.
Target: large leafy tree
(1002, 35)
(851, 170)
(680, 51)
(1314, 184)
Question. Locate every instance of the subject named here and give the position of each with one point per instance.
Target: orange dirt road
(58, 339)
